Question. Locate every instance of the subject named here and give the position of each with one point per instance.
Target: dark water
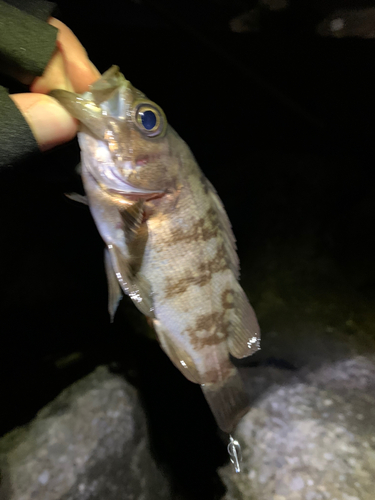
(281, 123)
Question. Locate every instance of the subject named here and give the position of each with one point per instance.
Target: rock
(349, 23)
(248, 21)
(275, 4)
(89, 443)
(312, 438)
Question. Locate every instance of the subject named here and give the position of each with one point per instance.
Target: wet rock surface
(310, 433)
(311, 437)
(89, 443)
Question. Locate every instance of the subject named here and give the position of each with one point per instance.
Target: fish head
(124, 137)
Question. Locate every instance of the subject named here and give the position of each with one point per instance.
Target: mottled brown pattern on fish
(203, 229)
(227, 299)
(216, 264)
(205, 271)
(207, 322)
(219, 335)
(215, 324)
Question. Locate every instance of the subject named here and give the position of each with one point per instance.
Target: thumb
(50, 123)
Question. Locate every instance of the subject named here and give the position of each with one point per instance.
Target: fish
(169, 242)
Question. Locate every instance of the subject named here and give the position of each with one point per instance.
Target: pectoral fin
(79, 198)
(228, 401)
(244, 335)
(135, 285)
(127, 264)
(179, 357)
(114, 289)
(132, 218)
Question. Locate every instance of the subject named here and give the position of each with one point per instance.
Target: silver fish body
(170, 247)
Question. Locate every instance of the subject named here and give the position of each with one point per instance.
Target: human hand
(69, 69)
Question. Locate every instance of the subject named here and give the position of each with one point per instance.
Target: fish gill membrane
(169, 242)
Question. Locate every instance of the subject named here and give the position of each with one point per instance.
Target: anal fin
(228, 400)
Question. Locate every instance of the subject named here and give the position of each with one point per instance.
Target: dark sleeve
(16, 139)
(37, 8)
(27, 43)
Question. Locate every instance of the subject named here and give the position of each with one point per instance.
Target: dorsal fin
(228, 236)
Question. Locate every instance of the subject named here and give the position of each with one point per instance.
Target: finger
(80, 70)
(70, 59)
(54, 76)
(50, 123)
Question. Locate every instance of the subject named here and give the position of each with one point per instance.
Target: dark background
(282, 123)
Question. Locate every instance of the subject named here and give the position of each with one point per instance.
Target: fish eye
(149, 120)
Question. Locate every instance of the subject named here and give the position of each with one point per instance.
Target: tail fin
(228, 401)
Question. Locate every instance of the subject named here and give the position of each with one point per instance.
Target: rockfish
(169, 243)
